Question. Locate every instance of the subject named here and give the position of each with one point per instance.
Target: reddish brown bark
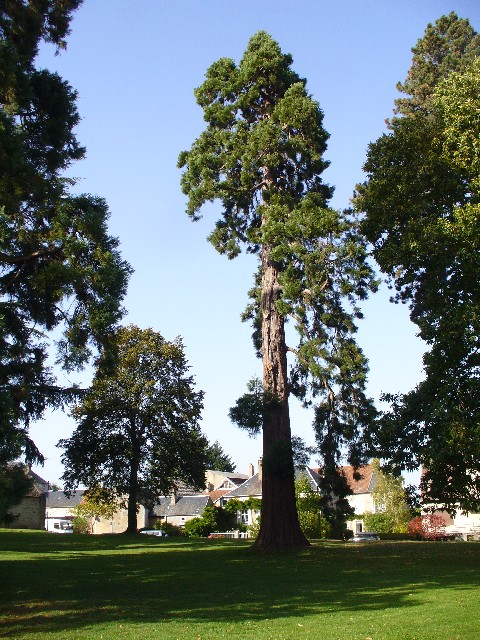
(279, 527)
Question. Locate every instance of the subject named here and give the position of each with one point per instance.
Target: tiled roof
(364, 484)
(185, 506)
(251, 487)
(218, 493)
(366, 481)
(57, 499)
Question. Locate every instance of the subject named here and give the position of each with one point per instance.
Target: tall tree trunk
(279, 525)
(133, 497)
(133, 480)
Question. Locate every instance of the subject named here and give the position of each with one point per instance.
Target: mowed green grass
(139, 587)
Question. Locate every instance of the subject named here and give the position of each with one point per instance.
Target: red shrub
(429, 527)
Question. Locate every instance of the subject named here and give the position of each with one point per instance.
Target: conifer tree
(261, 156)
(59, 267)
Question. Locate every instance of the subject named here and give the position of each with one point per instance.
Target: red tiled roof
(218, 493)
(364, 484)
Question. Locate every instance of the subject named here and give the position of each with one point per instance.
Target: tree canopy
(59, 268)
(421, 205)
(217, 459)
(261, 157)
(138, 431)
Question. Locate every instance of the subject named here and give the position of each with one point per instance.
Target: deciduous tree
(421, 200)
(261, 157)
(138, 428)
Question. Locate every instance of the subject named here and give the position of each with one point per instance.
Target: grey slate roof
(185, 506)
(311, 475)
(251, 487)
(60, 500)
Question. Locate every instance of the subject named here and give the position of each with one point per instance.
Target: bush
(171, 530)
(427, 527)
(80, 524)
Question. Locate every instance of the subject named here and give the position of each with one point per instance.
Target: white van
(59, 525)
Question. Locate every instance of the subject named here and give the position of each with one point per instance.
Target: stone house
(30, 513)
(60, 509)
(252, 488)
(177, 510)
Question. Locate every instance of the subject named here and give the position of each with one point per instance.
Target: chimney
(251, 470)
(260, 469)
(173, 497)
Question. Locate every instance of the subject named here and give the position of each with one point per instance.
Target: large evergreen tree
(138, 429)
(421, 200)
(59, 268)
(261, 156)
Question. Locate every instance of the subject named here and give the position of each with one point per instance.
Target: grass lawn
(143, 588)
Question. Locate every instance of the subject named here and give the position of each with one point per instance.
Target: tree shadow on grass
(72, 583)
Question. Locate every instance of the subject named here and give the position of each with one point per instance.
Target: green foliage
(422, 216)
(98, 501)
(81, 523)
(390, 496)
(14, 485)
(261, 157)
(170, 529)
(138, 428)
(59, 268)
(312, 522)
(380, 522)
(218, 460)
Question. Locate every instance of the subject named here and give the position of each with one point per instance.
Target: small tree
(312, 522)
(390, 499)
(138, 428)
(97, 502)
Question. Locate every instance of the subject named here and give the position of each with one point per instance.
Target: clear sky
(135, 64)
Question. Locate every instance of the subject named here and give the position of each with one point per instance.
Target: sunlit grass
(136, 587)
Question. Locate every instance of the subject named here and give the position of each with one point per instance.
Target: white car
(365, 536)
(155, 532)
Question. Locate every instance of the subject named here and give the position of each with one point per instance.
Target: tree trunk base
(279, 543)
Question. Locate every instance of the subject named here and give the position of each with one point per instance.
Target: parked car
(365, 536)
(155, 532)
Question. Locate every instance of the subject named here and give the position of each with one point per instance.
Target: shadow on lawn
(56, 583)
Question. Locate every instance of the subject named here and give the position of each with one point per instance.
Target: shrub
(428, 527)
(80, 524)
(170, 529)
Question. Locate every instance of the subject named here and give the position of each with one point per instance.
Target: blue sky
(134, 65)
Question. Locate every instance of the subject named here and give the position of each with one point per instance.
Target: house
(30, 513)
(252, 488)
(177, 510)
(59, 510)
(361, 482)
(60, 514)
(219, 480)
(465, 525)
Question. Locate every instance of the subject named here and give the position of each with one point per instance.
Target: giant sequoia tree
(260, 156)
(138, 429)
(422, 205)
(59, 268)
